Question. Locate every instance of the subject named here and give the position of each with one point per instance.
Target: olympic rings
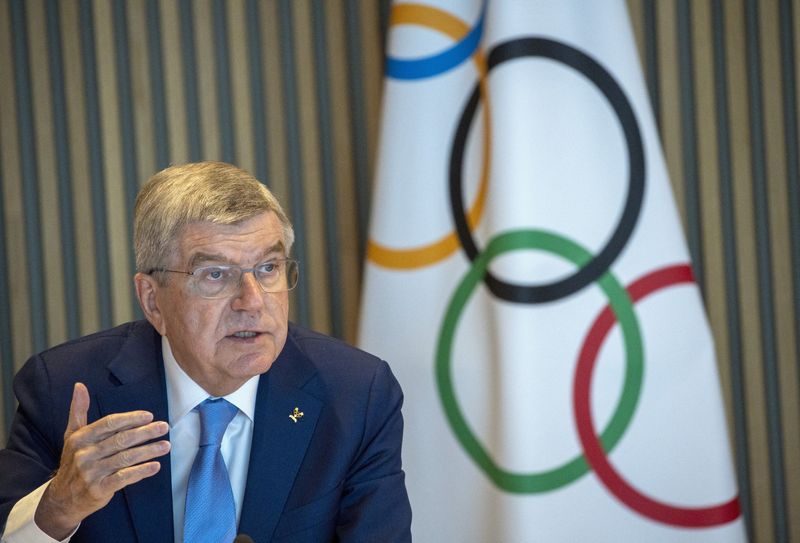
(590, 268)
(596, 453)
(605, 82)
(623, 308)
(458, 30)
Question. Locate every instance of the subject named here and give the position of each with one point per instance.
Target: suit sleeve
(34, 448)
(375, 505)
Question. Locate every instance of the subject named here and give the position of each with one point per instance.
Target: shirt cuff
(21, 527)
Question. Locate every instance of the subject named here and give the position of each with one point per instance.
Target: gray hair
(200, 192)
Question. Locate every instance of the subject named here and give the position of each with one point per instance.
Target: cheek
(196, 323)
(283, 326)
(199, 335)
(282, 309)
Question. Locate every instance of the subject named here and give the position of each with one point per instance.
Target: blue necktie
(210, 515)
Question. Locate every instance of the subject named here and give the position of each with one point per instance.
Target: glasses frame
(242, 271)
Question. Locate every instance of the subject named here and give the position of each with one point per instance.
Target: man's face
(213, 340)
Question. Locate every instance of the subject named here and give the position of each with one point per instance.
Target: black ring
(592, 70)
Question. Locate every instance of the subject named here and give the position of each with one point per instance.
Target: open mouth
(245, 335)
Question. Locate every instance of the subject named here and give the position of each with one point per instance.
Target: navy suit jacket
(334, 475)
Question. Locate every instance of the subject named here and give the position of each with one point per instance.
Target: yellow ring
(440, 249)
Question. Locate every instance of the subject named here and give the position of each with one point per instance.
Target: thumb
(78, 409)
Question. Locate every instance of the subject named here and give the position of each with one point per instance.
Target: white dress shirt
(183, 395)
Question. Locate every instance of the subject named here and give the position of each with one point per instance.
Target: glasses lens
(277, 275)
(215, 281)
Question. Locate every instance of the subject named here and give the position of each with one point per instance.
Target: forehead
(251, 238)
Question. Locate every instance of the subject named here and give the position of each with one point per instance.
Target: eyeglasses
(222, 281)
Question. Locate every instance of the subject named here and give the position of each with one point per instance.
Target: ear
(147, 292)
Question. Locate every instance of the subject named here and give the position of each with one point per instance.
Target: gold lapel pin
(296, 414)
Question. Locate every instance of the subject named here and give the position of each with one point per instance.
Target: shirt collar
(183, 394)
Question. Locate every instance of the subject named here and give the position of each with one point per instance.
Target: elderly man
(215, 416)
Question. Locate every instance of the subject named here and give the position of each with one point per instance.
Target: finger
(128, 476)
(129, 438)
(78, 408)
(110, 425)
(133, 456)
(90, 458)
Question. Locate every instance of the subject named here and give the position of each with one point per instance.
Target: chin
(250, 366)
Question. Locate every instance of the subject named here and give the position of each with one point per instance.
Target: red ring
(689, 517)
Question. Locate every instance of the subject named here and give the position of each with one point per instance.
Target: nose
(250, 296)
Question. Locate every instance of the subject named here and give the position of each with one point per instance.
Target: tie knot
(215, 415)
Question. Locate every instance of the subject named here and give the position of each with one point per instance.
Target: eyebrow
(202, 257)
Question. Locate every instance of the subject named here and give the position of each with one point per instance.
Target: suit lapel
(140, 369)
(279, 442)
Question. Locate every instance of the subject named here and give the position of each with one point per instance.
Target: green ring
(621, 305)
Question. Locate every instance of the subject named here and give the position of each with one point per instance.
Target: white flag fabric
(528, 280)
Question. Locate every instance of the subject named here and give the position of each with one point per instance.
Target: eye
(212, 274)
(268, 268)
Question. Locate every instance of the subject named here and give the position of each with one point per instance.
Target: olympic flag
(528, 280)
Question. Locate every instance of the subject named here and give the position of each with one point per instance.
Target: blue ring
(421, 68)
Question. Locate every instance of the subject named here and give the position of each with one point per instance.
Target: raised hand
(98, 459)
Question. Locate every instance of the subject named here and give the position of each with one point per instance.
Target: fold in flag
(528, 280)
